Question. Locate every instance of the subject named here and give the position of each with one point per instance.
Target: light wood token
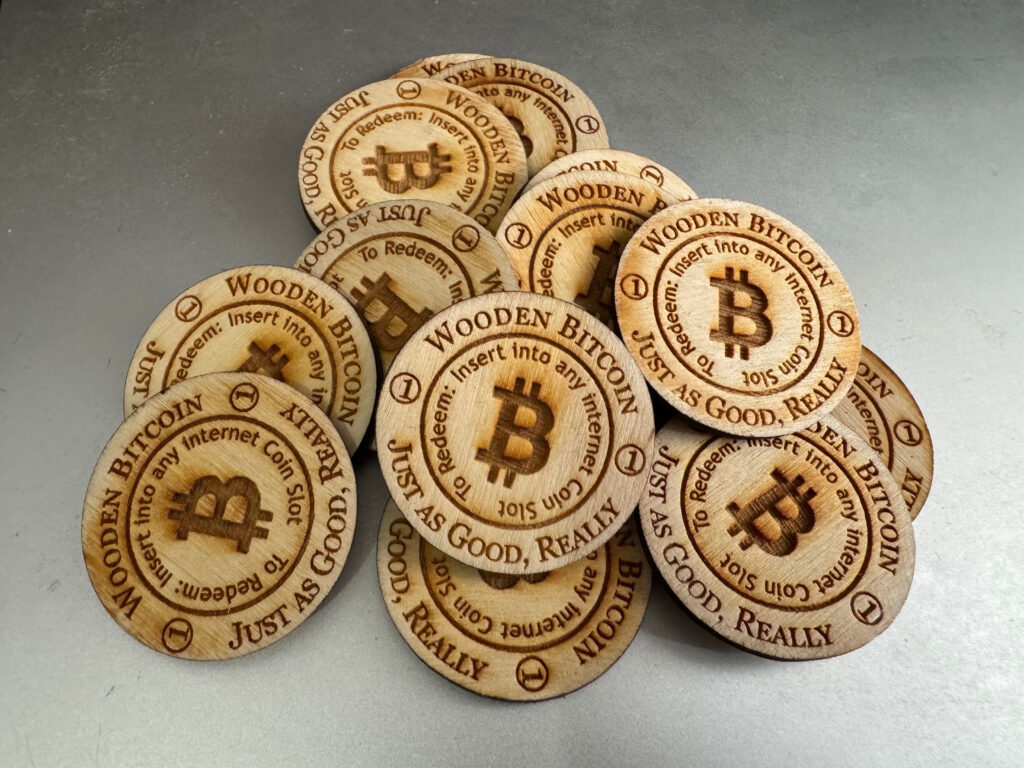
(270, 320)
(564, 237)
(521, 638)
(737, 317)
(880, 409)
(616, 161)
(794, 547)
(552, 114)
(219, 516)
(412, 138)
(401, 263)
(431, 65)
(515, 432)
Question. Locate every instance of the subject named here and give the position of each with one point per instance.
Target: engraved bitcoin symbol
(908, 433)
(652, 174)
(382, 161)
(598, 299)
(532, 673)
(177, 635)
(465, 238)
(262, 360)
(496, 454)
(405, 388)
(633, 286)
(508, 580)
(787, 506)
(216, 523)
(518, 235)
(518, 127)
(408, 89)
(587, 124)
(729, 310)
(188, 308)
(244, 397)
(840, 323)
(397, 322)
(630, 460)
(867, 608)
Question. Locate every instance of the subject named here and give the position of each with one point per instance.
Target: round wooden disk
(515, 432)
(880, 409)
(400, 263)
(795, 547)
(219, 516)
(737, 317)
(564, 237)
(431, 65)
(552, 115)
(522, 638)
(274, 321)
(411, 138)
(616, 161)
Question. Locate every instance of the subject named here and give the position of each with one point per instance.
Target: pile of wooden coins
(516, 289)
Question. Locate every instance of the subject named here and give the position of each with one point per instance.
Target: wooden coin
(794, 547)
(401, 263)
(219, 516)
(552, 115)
(564, 237)
(431, 65)
(411, 138)
(522, 638)
(737, 317)
(616, 161)
(880, 409)
(515, 432)
(274, 321)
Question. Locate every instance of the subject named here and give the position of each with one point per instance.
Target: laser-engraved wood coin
(880, 409)
(564, 237)
(794, 547)
(515, 432)
(737, 317)
(431, 65)
(218, 516)
(412, 138)
(615, 161)
(552, 115)
(401, 263)
(270, 320)
(522, 638)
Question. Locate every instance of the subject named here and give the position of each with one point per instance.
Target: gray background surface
(146, 145)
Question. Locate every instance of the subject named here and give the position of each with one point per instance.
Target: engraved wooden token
(270, 320)
(737, 317)
(880, 409)
(522, 638)
(564, 237)
(515, 432)
(411, 138)
(218, 516)
(616, 161)
(794, 547)
(552, 114)
(401, 263)
(431, 65)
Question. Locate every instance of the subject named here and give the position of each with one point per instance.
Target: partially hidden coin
(551, 114)
(274, 321)
(522, 638)
(515, 432)
(431, 65)
(737, 317)
(880, 409)
(411, 138)
(565, 236)
(219, 516)
(794, 547)
(616, 161)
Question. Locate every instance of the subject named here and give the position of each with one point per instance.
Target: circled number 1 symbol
(633, 286)
(405, 388)
(840, 323)
(407, 89)
(518, 235)
(244, 397)
(630, 460)
(188, 308)
(532, 673)
(867, 608)
(908, 433)
(588, 124)
(177, 635)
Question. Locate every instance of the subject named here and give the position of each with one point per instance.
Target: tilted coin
(737, 317)
(615, 161)
(411, 138)
(431, 65)
(522, 638)
(552, 114)
(219, 516)
(794, 547)
(515, 432)
(274, 321)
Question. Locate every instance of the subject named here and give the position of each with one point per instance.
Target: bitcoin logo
(599, 300)
(262, 361)
(788, 507)
(728, 310)
(382, 161)
(496, 454)
(519, 128)
(508, 580)
(396, 313)
(217, 524)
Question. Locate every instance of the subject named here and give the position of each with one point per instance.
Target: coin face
(616, 161)
(274, 321)
(880, 409)
(431, 65)
(737, 318)
(401, 263)
(514, 431)
(565, 236)
(794, 547)
(411, 139)
(551, 114)
(219, 516)
(522, 638)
